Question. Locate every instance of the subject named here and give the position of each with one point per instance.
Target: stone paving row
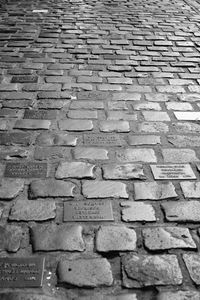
(100, 109)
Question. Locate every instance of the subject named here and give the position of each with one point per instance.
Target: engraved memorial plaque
(24, 79)
(173, 172)
(39, 114)
(102, 140)
(21, 272)
(93, 95)
(88, 211)
(26, 170)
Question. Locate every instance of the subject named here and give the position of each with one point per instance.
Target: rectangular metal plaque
(26, 170)
(102, 140)
(21, 272)
(173, 172)
(24, 79)
(39, 114)
(90, 210)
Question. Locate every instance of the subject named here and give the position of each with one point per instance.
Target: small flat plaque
(173, 172)
(102, 140)
(21, 272)
(39, 114)
(93, 95)
(24, 79)
(26, 170)
(88, 211)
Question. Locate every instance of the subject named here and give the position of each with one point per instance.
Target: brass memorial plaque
(90, 210)
(102, 140)
(21, 272)
(26, 170)
(172, 171)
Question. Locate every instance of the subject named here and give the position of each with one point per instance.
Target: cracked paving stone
(104, 189)
(179, 295)
(76, 125)
(32, 210)
(86, 272)
(154, 191)
(149, 270)
(192, 262)
(182, 211)
(53, 237)
(125, 171)
(56, 139)
(32, 124)
(75, 170)
(137, 212)
(167, 238)
(51, 188)
(190, 189)
(136, 155)
(90, 153)
(115, 238)
(10, 238)
(10, 188)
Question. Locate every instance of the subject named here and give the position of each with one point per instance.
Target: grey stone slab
(172, 172)
(90, 210)
(53, 237)
(192, 262)
(56, 139)
(90, 153)
(179, 295)
(182, 211)
(136, 155)
(104, 189)
(15, 138)
(75, 170)
(138, 212)
(32, 124)
(86, 272)
(154, 191)
(115, 238)
(10, 188)
(10, 238)
(150, 270)
(26, 296)
(40, 114)
(179, 155)
(191, 189)
(123, 171)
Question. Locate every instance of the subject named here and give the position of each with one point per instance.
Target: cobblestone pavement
(100, 149)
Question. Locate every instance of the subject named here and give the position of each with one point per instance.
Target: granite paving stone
(154, 191)
(90, 153)
(104, 189)
(56, 139)
(10, 238)
(136, 155)
(192, 262)
(138, 212)
(179, 295)
(182, 211)
(10, 188)
(123, 171)
(75, 170)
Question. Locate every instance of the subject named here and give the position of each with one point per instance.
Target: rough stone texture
(115, 238)
(137, 140)
(179, 155)
(90, 153)
(51, 188)
(187, 116)
(155, 116)
(125, 171)
(75, 125)
(86, 272)
(10, 188)
(182, 211)
(114, 126)
(57, 237)
(104, 189)
(136, 155)
(167, 238)
(26, 296)
(179, 295)
(75, 170)
(32, 210)
(184, 141)
(56, 139)
(32, 124)
(154, 191)
(192, 262)
(137, 212)
(147, 270)
(10, 238)
(190, 189)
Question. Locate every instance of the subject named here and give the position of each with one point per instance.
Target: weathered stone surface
(82, 114)
(182, 211)
(190, 189)
(56, 139)
(179, 295)
(51, 188)
(32, 124)
(10, 238)
(122, 115)
(192, 262)
(179, 155)
(115, 238)
(152, 127)
(75, 170)
(26, 296)
(104, 189)
(15, 138)
(137, 212)
(32, 210)
(136, 140)
(42, 153)
(90, 153)
(75, 125)
(155, 116)
(154, 191)
(136, 155)
(85, 272)
(186, 127)
(184, 140)
(53, 237)
(187, 116)
(162, 238)
(178, 106)
(125, 171)
(114, 126)
(148, 270)
(10, 188)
